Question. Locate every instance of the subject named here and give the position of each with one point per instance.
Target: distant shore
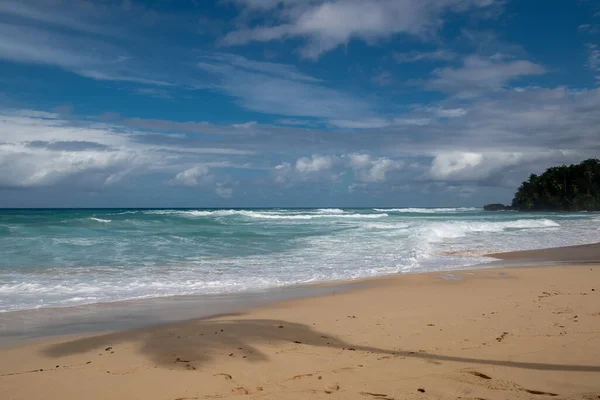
(517, 333)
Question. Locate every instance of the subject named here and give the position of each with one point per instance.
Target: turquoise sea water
(69, 257)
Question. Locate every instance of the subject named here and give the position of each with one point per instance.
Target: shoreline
(23, 326)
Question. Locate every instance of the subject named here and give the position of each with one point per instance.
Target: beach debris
(479, 374)
(180, 360)
(538, 392)
(373, 394)
(381, 396)
(108, 349)
(226, 376)
(280, 326)
(430, 325)
(332, 388)
(297, 342)
(501, 337)
(421, 390)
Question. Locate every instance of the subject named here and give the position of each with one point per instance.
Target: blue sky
(273, 103)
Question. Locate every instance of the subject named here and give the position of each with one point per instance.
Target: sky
(292, 103)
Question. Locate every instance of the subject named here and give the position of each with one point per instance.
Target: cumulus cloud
(191, 177)
(366, 168)
(314, 164)
(508, 134)
(39, 148)
(479, 166)
(326, 25)
(22, 166)
(369, 169)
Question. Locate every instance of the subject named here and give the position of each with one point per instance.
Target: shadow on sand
(196, 342)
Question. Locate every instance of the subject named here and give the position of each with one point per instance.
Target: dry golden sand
(521, 333)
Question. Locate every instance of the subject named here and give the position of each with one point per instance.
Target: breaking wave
(429, 210)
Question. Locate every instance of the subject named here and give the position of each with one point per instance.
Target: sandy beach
(515, 333)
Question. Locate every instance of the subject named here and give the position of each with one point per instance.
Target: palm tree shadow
(196, 342)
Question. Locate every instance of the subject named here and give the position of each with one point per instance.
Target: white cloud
(21, 166)
(361, 124)
(372, 170)
(593, 62)
(482, 74)
(49, 15)
(81, 55)
(39, 148)
(461, 165)
(479, 166)
(499, 138)
(451, 112)
(367, 169)
(326, 25)
(314, 164)
(359, 160)
(191, 177)
(308, 169)
(416, 56)
(223, 191)
(284, 71)
(588, 28)
(412, 121)
(280, 89)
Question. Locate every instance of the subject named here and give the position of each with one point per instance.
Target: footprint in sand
(300, 376)
(240, 390)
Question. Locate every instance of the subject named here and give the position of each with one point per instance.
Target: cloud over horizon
(273, 102)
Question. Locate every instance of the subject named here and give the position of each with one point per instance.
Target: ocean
(69, 257)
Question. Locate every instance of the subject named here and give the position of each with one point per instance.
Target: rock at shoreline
(497, 207)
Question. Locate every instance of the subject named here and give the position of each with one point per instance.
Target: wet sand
(583, 253)
(518, 333)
